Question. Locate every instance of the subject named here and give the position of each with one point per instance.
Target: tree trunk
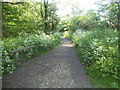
(46, 16)
(118, 16)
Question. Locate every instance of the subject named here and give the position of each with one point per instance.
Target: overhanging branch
(13, 2)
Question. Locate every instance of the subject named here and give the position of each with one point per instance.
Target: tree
(28, 17)
(110, 13)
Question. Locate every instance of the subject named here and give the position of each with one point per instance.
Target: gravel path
(59, 68)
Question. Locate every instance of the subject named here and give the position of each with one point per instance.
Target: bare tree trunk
(118, 16)
(46, 15)
(41, 11)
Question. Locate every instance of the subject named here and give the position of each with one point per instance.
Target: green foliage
(28, 17)
(98, 50)
(23, 25)
(40, 42)
(67, 34)
(107, 16)
(101, 82)
(108, 12)
(88, 21)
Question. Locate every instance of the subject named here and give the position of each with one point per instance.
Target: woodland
(95, 34)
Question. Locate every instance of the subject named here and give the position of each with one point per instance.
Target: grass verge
(96, 80)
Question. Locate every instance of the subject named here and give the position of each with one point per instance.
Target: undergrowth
(98, 51)
(41, 44)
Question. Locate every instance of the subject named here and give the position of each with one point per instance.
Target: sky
(65, 6)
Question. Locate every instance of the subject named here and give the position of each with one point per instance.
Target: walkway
(59, 68)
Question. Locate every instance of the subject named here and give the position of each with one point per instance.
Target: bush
(98, 49)
(67, 34)
(40, 42)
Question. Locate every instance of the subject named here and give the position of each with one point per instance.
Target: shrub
(40, 42)
(67, 34)
(98, 49)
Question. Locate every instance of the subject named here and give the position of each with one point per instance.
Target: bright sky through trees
(65, 6)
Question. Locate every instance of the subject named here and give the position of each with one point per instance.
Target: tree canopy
(106, 16)
(29, 17)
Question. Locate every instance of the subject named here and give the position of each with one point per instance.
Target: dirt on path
(59, 68)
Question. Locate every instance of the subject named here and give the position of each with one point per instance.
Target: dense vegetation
(27, 24)
(105, 17)
(41, 43)
(28, 18)
(95, 34)
(98, 50)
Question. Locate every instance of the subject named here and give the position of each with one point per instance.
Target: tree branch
(13, 2)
